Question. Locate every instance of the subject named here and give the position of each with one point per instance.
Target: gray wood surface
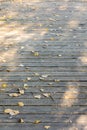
(43, 45)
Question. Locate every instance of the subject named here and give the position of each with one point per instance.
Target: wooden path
(43, 64)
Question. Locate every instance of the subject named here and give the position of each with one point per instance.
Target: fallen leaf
(14, 94)
(44, 76)
(8, 70)
(36, 53)
(28, 78)
(51, 19)
(37, 96)
(42, 90)
(41, 78)
(36, 74)
(59, 55)
(21, 104)
(46, 94)
(21, 65)
(11, 112)
(47, 127)
(50, 83)
(37, 121)
(56, 80)
(25, 85)
(21, 120)
(21, 91)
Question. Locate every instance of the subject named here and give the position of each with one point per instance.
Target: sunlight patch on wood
(73, 24)
(83, 59)
(82, 120)
(81, 8)
(8, 55)
(63, 7)
(70, 96)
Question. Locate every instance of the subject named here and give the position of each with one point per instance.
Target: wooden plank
(31, 126)
(55, 64)
(45, 84)
(47, 89)
(64, 43)
(51, 49)
(54, 1)
(44, 102)
(48, 79)
(45, 118)
(54, 53)
(48, 47)
(62, 61)
(68, 68)
(30, 96)
(47, 109)
(49, 74)
(42, 70)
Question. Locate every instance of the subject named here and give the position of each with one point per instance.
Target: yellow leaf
(4, 85)
(37, 121)
(36, 54)
(21, 120)
(14, 94)
(21, 104)
(11, 112)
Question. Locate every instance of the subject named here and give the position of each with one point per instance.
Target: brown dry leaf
(46, 94)
(14, 94)
(8, 70)
(21, 120)
(37, 121)
(47, 127)
(21, 104)
(11, 112)
(37, 96)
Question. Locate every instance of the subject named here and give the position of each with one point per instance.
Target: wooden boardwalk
(43, 64)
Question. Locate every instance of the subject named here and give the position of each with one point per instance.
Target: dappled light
(64, 7)
(70, 96)
(43, 64)
(83, 60)
(80, 8)
(73, 24)
(82, 120)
